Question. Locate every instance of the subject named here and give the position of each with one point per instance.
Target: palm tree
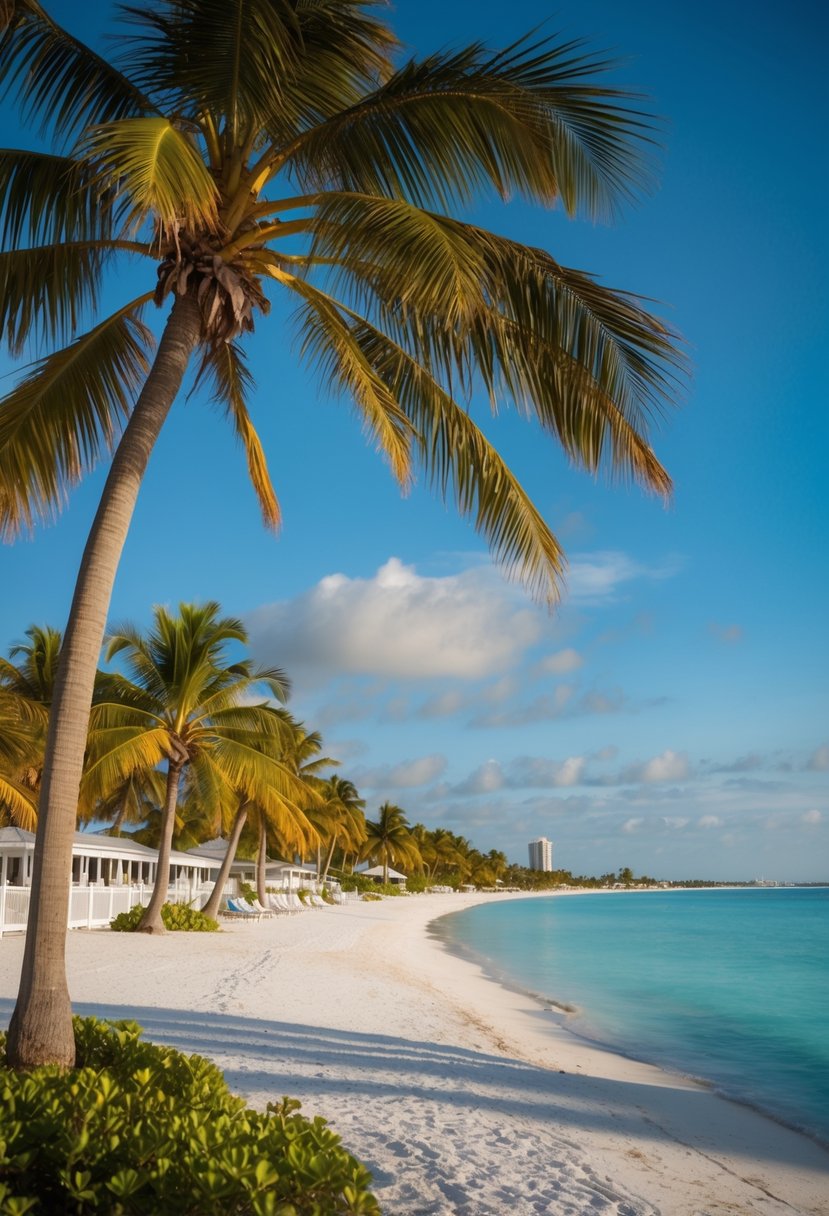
(296, 753)
(389, 839)
(240, 147)
(344, 821)
(185, 706)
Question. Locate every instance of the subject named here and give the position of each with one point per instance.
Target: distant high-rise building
(541, 854)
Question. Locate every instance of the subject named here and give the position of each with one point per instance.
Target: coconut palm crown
(237, 149)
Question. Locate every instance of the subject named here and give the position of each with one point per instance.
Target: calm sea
(727, 985)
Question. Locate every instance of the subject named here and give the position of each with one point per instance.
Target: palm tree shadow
(266, 1059)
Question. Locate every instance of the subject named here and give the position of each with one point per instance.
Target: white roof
(377, 871)
(13, 839)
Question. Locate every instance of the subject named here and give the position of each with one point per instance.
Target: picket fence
(90, 907)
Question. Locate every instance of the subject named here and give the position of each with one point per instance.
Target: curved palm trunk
(211, 908)
(151, 921)
(41, 1026)
(261, 858)
(324, 875)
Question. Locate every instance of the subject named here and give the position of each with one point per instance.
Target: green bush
(175, 917)
(416, 884)
(371, 896)
(135, 1128)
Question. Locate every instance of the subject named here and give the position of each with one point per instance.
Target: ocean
(731, 986)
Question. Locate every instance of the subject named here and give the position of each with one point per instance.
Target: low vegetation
(137, 1128)
(175, 917)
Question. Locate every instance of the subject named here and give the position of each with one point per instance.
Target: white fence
(90, 907)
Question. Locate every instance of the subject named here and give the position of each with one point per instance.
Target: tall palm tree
(242, 146)
(389, 839)
(185, 706)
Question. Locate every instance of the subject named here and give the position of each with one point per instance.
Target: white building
(541, 854)
(110, 874)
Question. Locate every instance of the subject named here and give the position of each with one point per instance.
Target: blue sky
(671, 715)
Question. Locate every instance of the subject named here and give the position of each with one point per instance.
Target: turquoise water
(730, 986)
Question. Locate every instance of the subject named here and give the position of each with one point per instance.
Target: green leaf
(157, 168)
(64, 414)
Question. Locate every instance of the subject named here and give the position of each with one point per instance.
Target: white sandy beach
(461, 1096)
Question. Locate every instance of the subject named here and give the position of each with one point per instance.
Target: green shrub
(416, 884)
(135, 1128)
(175, 917)
(371, 896)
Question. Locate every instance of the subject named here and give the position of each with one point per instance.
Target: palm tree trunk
(328, 859)
(151, 921)
(41, 1026)
(261, 858)
(211, 908)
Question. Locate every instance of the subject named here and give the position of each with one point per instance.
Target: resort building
(376, 874)
(279, 875)
(110, 874)
(541, 854)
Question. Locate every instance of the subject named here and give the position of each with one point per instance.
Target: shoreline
(463, 1097)
(562, 1012)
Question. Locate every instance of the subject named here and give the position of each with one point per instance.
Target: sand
(461, 1096)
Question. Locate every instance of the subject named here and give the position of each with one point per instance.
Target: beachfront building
(110, 874)
(279, 875)
(376, 874)
(541, 854)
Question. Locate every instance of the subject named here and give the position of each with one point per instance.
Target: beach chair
(258, 906)
(242, 905)
(232, 911)
(317, 901)
(276, 905)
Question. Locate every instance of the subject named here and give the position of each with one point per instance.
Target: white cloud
(531, 772)
(560, 663)
(405, 775)
(669, 766)
(675, 822)
(709, 821)
(486, 779)
(632, 825)
(819, 760)
(399, 624)
(598, 576)
(811, 818)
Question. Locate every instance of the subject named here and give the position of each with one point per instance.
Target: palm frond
(592, 364)
(150, 162)
(527, 120)
(258, 63)
(328, 343)
(227, 377)
(17, 804)
(56, 78)
(225, 57)
(117, 752)
(45, 199)
(65, 413)
(46, 292)
(459, 459)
